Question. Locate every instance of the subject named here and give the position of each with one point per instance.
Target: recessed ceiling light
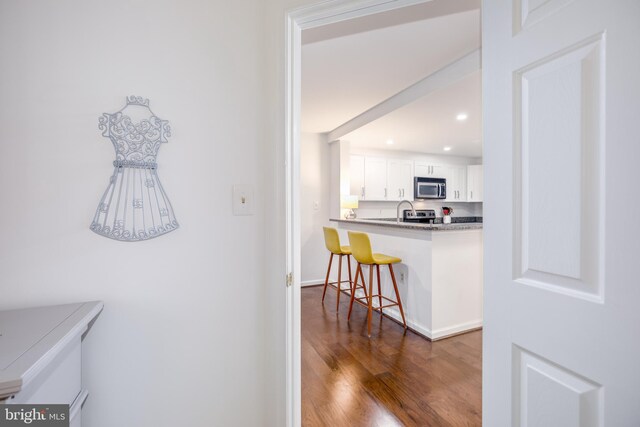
(461, 117)
(390, 142)
(447, 148)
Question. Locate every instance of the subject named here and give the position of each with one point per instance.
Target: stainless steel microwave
(429, 188)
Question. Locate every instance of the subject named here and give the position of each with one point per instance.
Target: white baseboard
(438, 334)
(456, 329)
(312, 282)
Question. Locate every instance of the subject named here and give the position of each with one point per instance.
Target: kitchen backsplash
(388, 209)
(460, 219)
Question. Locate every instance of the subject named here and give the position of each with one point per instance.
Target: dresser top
(30, 338)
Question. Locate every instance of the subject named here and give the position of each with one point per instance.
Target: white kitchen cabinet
(399, 180)
(456, 176)
(439, 171)
(375, 178)
(474, 183)
(426, 169)
(384, 179)
(356, 176)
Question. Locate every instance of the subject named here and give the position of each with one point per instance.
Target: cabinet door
(356, 176)
(438, 171)
(399, 180)
(474, 183)
(461, 173)
(456, 177)
(422, 169)
(452, 183)
(375, 178)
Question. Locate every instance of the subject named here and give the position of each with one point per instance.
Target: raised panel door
(561, 318)
(375, 178)
(399, 180)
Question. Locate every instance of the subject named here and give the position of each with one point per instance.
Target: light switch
(243, 200)
(316, 205)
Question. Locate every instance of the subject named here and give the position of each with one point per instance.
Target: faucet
(413, 210)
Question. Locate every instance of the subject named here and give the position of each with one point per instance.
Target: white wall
(182, 339)
(314, 206)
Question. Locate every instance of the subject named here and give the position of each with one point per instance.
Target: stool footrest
(366, 304)
(334, 284)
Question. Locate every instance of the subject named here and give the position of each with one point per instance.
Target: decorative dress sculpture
(134, 206)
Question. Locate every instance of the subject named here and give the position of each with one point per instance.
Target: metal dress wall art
(134, 206)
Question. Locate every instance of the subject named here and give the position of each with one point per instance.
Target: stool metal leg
(339, 282)
(370, 300)
(355, 287)
(379, 289)
(353, 291)
(395, 287)
(326, 281)
(350, 279)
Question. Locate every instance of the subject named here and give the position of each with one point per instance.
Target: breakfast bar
(440, 277)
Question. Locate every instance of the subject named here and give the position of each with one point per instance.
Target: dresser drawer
(59, 382)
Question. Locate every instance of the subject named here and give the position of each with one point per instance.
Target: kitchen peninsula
(440, 277)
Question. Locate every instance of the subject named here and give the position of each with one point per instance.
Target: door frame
(297, 20)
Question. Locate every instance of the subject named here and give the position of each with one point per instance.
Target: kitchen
(400, 159)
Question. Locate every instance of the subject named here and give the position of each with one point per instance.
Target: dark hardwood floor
(390, 379)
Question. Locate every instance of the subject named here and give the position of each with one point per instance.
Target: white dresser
(41, 355)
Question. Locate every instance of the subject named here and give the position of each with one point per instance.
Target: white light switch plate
(243, 200)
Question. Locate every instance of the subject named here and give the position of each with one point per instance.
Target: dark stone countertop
(391, 222)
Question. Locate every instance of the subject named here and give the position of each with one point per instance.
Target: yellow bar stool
(332, 242)
(361, 250)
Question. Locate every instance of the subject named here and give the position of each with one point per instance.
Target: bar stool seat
(332, 242)
(382, 259)
(361, 249)
(346, 250)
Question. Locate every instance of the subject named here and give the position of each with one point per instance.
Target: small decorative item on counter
(351, 203)
(446, 214)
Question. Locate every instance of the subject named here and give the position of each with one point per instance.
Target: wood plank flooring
(390, 379)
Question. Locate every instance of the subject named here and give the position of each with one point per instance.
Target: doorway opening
(380, 105)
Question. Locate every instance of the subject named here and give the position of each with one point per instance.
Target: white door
(356, 176)
(400, 179)
(375, 178)
(561, 90)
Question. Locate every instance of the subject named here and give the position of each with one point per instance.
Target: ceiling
(429, 124)
(349, 67)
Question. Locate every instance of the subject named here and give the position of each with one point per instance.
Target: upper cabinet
(426, 169)
(474, 183)
(399, 179)
(388, 179)
(377, 178)
(456, 183)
